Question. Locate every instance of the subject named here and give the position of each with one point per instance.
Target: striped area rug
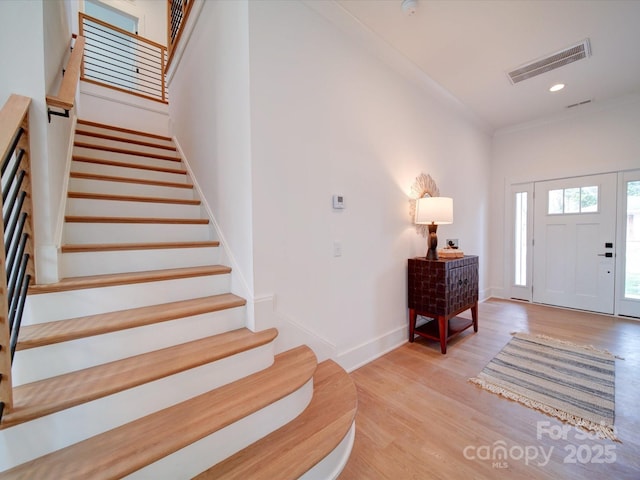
(573, 383)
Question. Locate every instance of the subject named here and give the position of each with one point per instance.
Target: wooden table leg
(443, 325)
(474, 316)
(412, 323)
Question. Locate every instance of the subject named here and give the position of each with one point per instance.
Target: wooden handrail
(67, 92)
(11, 117)
(14, 137)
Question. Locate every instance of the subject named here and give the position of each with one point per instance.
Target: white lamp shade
(437, 210)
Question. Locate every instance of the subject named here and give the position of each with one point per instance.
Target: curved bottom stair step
(295, 448)
(51, 395)
(123, 450)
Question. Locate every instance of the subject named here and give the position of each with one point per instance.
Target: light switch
(337, 249)
(338, 201)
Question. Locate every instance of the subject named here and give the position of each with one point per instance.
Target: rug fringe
(601, 429)
(570, 344)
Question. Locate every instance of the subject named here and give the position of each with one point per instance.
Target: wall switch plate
(452, 243)
(337, 248)
(338, 201)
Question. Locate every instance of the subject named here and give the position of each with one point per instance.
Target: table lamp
(433, 211)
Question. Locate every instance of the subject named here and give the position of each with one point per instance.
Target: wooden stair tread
(123, 130)
(54, 394)
(108, 247)
(48, 333)
(116, 138)
(94, 281)
(128, 448)
(126, 151)
(112, 178)
(114, 163)
(90, 219)
(130, 198)
(290, 451)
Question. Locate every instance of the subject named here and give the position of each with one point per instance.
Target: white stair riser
(115, 133)
(330, 467)
(128, 157)
(50, 307)
(124, 145)
(87, 167)
(124, 188)
(17, 444)
(117, 208)
(200, 455)
(43, 362)
(80, 264)
(84, 233)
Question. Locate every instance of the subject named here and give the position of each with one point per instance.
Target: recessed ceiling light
(557, 87)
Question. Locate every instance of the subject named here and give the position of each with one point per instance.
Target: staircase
(137, 363)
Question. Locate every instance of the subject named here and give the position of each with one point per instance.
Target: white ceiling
(468, 46)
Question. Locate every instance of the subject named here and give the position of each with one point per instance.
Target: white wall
(328, 117)
(106, 105)
(57, 39)
(209, 108)
(277, 109)
(599, 138)
(33, 70)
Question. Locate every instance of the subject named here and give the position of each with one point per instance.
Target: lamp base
(432, 253)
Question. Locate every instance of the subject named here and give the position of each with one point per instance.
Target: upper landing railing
(122, 60)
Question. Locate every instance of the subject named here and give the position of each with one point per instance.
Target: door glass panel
(588, 199)
(571, 200)
(521, 239)
(632, 263)
(556, 202)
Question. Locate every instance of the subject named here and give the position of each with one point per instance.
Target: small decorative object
(451, 250)
(450, 253)
(423, 186)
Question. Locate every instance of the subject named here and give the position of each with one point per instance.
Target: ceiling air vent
(557, 60)
(584, 102)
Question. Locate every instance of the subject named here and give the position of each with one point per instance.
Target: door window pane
(521, 239)
(632, 262)
(589, 199)
(556, 202)
(571, 200)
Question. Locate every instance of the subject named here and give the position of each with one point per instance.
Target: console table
(442, 289)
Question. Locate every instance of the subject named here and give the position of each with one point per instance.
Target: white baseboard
(292, 334)
(493, 292)
(239, 284)
(368, 351)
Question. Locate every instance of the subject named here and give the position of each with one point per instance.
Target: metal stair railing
(17, 256)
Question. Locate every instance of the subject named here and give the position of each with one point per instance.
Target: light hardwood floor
(418, 414)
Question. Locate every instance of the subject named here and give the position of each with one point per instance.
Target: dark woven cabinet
(442, 289)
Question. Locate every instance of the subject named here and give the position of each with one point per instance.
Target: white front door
(574, 249)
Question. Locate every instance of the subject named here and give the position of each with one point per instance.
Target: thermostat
(338, 201)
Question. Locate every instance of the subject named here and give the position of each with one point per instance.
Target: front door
(574, 249)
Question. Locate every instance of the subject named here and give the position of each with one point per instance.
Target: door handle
(608, 254)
